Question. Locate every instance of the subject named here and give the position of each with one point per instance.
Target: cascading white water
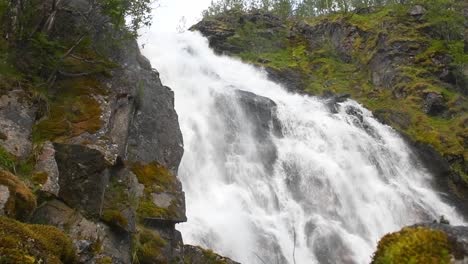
(339, 182)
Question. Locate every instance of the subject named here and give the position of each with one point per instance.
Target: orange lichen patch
(73, 111)
(22, 201)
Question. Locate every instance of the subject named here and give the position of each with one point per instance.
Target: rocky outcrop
(198, 255)
(102, 147)
(425, 242)
(260, 118)
(17, 116)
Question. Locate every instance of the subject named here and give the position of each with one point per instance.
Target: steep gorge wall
(95, 152)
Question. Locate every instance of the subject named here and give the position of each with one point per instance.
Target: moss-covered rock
(198, 255)
(413, 245)
(162, 195)
(21, 201)
(24, 243)
(149, 246)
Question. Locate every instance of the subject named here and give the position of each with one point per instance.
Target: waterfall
(275, 177)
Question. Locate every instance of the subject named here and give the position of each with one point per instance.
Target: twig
(260, 258)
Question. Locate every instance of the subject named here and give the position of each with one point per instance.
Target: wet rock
(332, 101)
(217, 33)
(291, 79)
(263, 112)
(47, 165)
(17, 116)
(198, 255)
(83, 177)
(434, 103)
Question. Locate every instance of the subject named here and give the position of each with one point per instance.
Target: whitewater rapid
(340, 181)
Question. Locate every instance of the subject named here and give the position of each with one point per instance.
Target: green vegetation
(23, 243)
(413, 245)
(153, 176)
(114, 218)
(148, 246)
(296, 8)
(156, 179)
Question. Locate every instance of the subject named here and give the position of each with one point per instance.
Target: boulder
(434, 103)
(417, 11)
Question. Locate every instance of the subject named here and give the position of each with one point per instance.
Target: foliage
(137, 12)
(413, 245)
(24, 243)
(296, 8)
(148, 246)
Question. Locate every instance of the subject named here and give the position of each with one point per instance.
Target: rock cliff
(90, 146)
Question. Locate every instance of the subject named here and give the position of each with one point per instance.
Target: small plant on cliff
(23, 243)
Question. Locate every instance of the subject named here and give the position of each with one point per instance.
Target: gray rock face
(154, 133)
(262, 110)
(4, 196)
(17, 116)
(92, 240)
(46, 164)
(83, 177)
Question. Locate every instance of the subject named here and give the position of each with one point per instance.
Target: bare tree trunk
(51, 19)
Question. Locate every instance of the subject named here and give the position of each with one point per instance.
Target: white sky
(168, 15)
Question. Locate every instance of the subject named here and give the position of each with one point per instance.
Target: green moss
(147, 209)
(24, 243)
(148, 246)
(115, 218)
(7, 161)
(413, 245)
(22, 201)
(73, 111)
(154, 176)
(104, 260)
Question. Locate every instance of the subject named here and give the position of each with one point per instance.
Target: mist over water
(323, 190)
